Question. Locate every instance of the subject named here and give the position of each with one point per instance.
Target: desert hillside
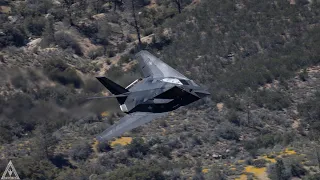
(260, 60)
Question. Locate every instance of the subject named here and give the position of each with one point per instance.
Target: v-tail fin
(114, 88)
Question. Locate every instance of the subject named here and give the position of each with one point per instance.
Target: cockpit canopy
(179, 81)
(172, 80)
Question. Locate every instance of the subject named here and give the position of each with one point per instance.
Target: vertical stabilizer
(114, 88)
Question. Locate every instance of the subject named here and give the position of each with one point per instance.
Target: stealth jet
(162, 89)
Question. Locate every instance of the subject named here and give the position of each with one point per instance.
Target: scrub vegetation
(259, 59)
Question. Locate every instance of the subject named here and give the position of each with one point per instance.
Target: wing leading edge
(152, 66)
(127, 123)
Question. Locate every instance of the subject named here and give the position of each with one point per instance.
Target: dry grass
(5, 9)
(220, 106)
(287, 151)
(95, 146)
(121, 141)
(87, 45)
(261, 173)
(233, 169)
(105, 114)
(272, 160)
(242, 177)
(205, 170)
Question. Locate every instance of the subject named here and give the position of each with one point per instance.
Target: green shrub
(310, 111)
(148, 31)
(114, 18)
(312, 177)
(163, 150)
(17, 113)
(20, 82)
(27, 166)
(259, 163)
(111, 53)
(153, 141)
(286, 169)
(303, 75)
(80, 151)
(297, 170)
(58, 71)
(114, 72)
(66, 40)
(138, 171)
(104, 147)
(5, 134)
(122, 46)
(124, 59)
(34, 8)
(13, 36)
(89, 30)
(62, 96)
(94, 53)
(278, 171)
(268, 140)
(196, 140)
(273, 100)
(138, 148)
(141, 3)
(69, 76)
(93, 86)
(35, 25)
(59, 14)
(234, 118)
(104, 31)
(227, 131)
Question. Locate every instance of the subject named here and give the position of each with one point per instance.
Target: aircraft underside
(167, 101)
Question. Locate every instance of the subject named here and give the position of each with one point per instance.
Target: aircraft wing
(152, 66)
(107, 97)
(127, 123)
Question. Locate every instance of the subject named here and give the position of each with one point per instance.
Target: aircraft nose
(202, 93)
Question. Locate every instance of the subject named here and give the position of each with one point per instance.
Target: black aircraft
(161, 89)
